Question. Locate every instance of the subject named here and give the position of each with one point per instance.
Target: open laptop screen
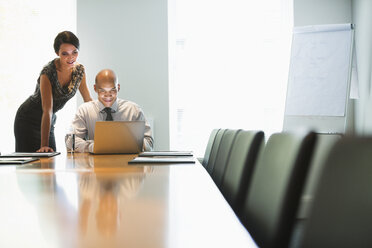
(125, 137)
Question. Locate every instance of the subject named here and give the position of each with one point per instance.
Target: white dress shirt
(88, 113)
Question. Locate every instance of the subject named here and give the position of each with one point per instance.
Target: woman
(58, 82)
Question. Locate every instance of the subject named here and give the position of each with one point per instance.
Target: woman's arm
(84, 91)
(47, 107)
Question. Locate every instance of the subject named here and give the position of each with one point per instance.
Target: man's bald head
(106, 75)
(107, 87)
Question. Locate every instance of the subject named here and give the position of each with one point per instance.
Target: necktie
(108, 112)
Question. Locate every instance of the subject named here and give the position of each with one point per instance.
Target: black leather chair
(223, 155)
(208, 149)
(273, 196)
(240, 166)
(324, 143)
(341, 213)
(214, 151)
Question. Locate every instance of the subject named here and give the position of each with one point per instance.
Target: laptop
(118, 137)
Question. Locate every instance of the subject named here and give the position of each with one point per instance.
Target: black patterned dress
(27, 122)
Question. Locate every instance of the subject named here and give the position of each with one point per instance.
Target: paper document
(145, 160)
(17, 160)
(165, 153)
(30, 154)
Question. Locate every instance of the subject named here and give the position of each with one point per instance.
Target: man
(107, 107)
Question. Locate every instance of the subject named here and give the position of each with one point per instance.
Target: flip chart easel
(319, 78)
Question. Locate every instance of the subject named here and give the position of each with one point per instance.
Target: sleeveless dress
(27, 122)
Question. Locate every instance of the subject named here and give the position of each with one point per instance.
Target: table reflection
(83, 200)
(103, 198)
(82, 206)
(52, 204)
(106, 163)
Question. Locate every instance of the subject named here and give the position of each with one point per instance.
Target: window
(229, 68)
(27, 32)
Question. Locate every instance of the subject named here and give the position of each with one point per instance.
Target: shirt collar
(114, 107)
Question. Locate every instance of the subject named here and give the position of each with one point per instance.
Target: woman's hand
(45, 149)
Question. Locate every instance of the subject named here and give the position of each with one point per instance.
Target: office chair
(273, 196)
(208, 149)
(324, 143)
(240, 166)
(341, 214)
(223, 155)
(214, 151)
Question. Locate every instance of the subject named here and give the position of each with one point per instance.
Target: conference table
(84, 200)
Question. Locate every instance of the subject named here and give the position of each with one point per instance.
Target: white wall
(130, 37)
(314, 12)
(362, 18)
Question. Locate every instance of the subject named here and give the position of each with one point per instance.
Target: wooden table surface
(83, 200)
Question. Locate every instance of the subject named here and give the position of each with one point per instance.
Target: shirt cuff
(90, 147)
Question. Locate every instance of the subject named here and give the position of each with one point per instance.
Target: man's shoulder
(88, 106)
(127, 104)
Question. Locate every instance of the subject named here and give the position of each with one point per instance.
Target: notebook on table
(30, 154)
(162, 160)
(166, 154)
(17, 160)
(118, 137)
